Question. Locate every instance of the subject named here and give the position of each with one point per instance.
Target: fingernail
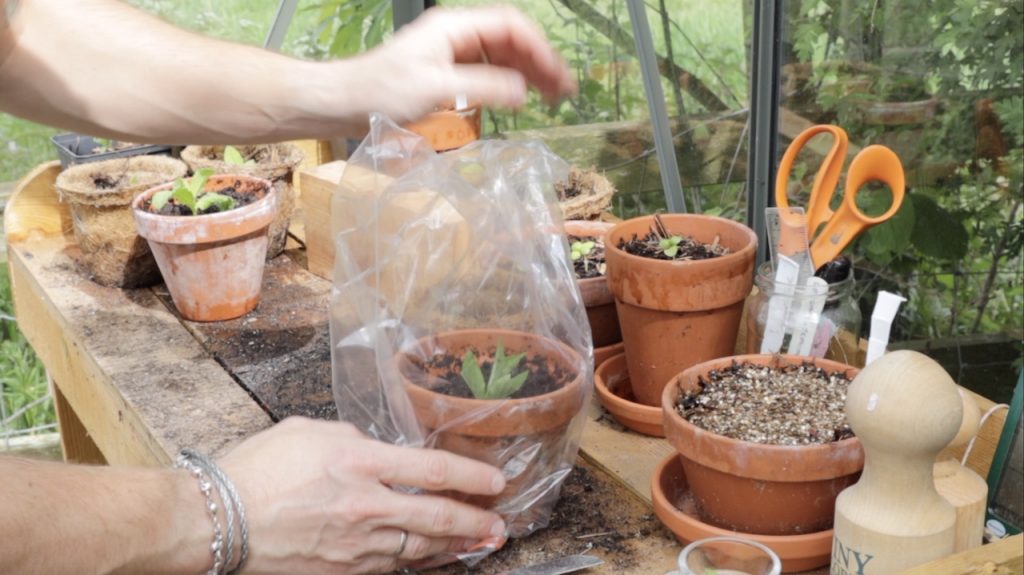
(498, 483)
(498, 529)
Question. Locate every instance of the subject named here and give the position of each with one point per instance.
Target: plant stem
(986, 291)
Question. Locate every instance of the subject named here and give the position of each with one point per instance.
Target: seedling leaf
(233, 156)
(472, 375)
(223, 203)
(160, 199)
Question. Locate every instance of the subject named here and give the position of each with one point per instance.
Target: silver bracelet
(206, 487)
(225, 486)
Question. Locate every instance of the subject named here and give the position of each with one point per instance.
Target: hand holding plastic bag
(456, 321)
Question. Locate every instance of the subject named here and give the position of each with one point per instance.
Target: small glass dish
(727, 556)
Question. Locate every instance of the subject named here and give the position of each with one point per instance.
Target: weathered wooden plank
(280, 352)
(1004, 557)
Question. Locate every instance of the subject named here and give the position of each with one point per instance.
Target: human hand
(488, 54)
(318, 499)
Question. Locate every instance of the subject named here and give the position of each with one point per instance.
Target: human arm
(316, 494)
(104, 68)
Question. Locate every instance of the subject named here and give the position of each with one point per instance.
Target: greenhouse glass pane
(940, 83)
(702, 48)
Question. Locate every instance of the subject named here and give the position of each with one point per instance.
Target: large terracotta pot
(754, 487)
(597, 297)
(212, 264)
(675, 314)
(528, 438)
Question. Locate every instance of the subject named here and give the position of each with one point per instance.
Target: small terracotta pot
(754, 487)
(673, 504)
(597, 297)
(448, 129)
(611, 380)
(675, 314)
(527, 438)
(212, 264)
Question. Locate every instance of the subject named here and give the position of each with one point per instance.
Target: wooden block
(318, 186)
(984, 449)
(1004, 557)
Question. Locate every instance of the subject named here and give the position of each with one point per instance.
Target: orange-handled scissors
(873, 163)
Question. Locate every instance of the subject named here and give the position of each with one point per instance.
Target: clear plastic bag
(438, 255)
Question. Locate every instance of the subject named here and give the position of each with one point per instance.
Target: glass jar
(838, 331)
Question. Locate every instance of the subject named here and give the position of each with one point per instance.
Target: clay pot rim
(780, 544)
(596, 287)
(472, 403)
(269, 196)
(622, 409)
(734, 257)
(669, 396)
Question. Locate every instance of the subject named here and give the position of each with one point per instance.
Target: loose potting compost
(454, 320)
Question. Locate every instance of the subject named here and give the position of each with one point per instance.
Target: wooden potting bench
(133, 384)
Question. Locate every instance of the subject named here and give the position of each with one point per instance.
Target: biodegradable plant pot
(597, 297)
(611, 380)
(585, 195)
(754, 487)
(99, 196)
(274, 162)
(675, 314)
(74, 149)
(528, 438)
(448, 129)
(676, 509)
(213, 263)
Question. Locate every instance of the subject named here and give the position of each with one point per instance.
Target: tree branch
(624, 40)
(986, 291)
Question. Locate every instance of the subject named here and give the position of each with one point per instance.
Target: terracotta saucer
(612, 383)
(603, 354)
(676, 508)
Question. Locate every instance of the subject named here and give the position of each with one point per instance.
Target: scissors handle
(872, 164)
(825, 181)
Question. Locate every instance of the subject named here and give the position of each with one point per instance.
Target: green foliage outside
(22, 377)
(954, 249)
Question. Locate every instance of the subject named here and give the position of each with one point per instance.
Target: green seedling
(581, 250)
(190, 193)
(502, 382)
(234, 157)
(670, 245)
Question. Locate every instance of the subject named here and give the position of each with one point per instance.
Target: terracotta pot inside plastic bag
(754, 487)
(274, 162)
(597, 297)
(212, 264)
(529, 439)
(675, 314)
(100, 196)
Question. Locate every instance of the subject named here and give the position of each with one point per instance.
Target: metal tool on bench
(559, 566)
(841, 226)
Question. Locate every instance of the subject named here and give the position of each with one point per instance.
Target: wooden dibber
(905, 408)
(963, 488)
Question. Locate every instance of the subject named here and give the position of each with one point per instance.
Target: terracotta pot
(603, 354)
(675, 508)
(528, 438)
(212, 264)
(448, 129)
(611, 381)
(675, 314)
(101, 217)
(754, 487)
(274, 162)
(597, 297)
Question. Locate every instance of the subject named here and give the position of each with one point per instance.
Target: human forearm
(76, 519)
(102, 67)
